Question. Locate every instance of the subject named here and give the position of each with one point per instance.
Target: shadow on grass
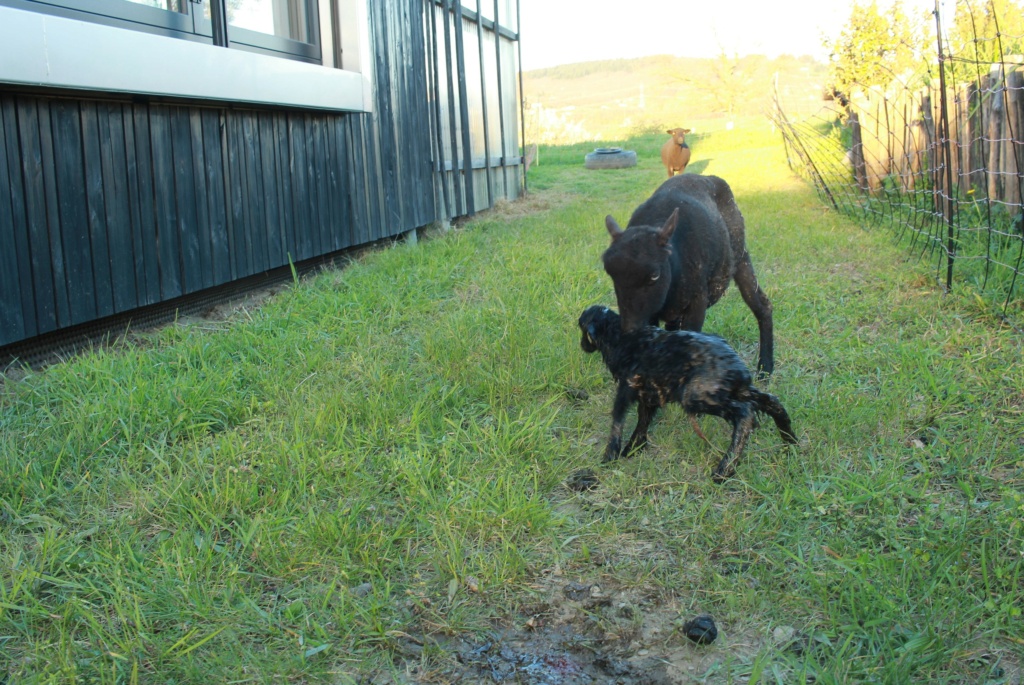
(697, 167)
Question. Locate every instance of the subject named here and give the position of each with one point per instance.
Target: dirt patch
(553, 656)
(580, 632)
(528, 204)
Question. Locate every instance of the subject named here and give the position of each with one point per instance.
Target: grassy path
(374, 459)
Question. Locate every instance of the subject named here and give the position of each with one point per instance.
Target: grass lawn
(363, 479)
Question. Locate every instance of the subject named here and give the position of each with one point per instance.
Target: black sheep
(700, 372)
(677, 256)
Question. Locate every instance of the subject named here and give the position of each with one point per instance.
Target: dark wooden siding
(115, 206)
(108, 206)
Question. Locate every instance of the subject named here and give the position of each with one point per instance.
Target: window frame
(189, 24)
(123, 14)
(43, 49)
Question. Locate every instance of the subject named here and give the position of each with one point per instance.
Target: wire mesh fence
(935, 154)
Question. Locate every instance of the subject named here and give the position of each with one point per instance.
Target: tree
(873, 49)
(729, 83)
(985, 31)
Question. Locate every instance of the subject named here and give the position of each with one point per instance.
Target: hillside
(612, 99)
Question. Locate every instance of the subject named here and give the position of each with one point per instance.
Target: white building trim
(55, 52)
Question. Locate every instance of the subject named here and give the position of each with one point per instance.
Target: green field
(618, 99)
(362, 480)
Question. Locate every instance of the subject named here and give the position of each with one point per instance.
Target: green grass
(287, 495)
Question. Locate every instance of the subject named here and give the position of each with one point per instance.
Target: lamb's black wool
(700, 372)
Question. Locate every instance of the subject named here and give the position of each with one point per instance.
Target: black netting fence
(936, 154)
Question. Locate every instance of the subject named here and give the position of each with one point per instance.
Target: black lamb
(700, 372)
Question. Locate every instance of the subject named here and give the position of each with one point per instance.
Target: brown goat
(675, 153)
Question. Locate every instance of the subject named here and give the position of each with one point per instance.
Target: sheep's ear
(670, 131)
(591, 333)
(686, 130)
(668, 229)
(613, 228)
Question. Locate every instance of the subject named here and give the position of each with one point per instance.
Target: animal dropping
(701, 630)
(582, 480)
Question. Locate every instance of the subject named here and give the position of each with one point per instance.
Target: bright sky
(565, 31)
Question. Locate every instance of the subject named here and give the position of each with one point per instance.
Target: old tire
(610, 158)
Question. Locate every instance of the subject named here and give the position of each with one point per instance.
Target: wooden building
(156, 150)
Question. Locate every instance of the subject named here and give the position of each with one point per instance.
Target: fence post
(994, 131)
(1011, 161)
(857, 151)
(943, 126)
(975, 139)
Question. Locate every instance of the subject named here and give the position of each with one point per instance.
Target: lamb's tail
(770, 405)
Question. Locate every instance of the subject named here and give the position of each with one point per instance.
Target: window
(287, 19)
(285, 28)
(282, 52)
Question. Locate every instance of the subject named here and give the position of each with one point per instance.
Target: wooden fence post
(857, 151)
(994, 130)
(1011, 148)
(974, 138)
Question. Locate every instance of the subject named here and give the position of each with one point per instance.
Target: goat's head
(638, 263)
(678, 135)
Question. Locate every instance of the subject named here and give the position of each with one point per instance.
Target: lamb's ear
(592, 333)
(613, 228)
(668, 229)
(671, 131)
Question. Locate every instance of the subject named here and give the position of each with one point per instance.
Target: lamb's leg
(624, 399)
(691, 320)
(638, 441)
(759, 304)
(771, 406)
(742, 424)
(687, 397)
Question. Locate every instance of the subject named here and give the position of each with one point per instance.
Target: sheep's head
(638, 261)
(678, 135)
(594, 322)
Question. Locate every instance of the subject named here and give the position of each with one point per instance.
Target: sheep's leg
(638, 441)
(691, 319)
(771, 406)
(759, 304)
(624, 399)
(742, 424)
